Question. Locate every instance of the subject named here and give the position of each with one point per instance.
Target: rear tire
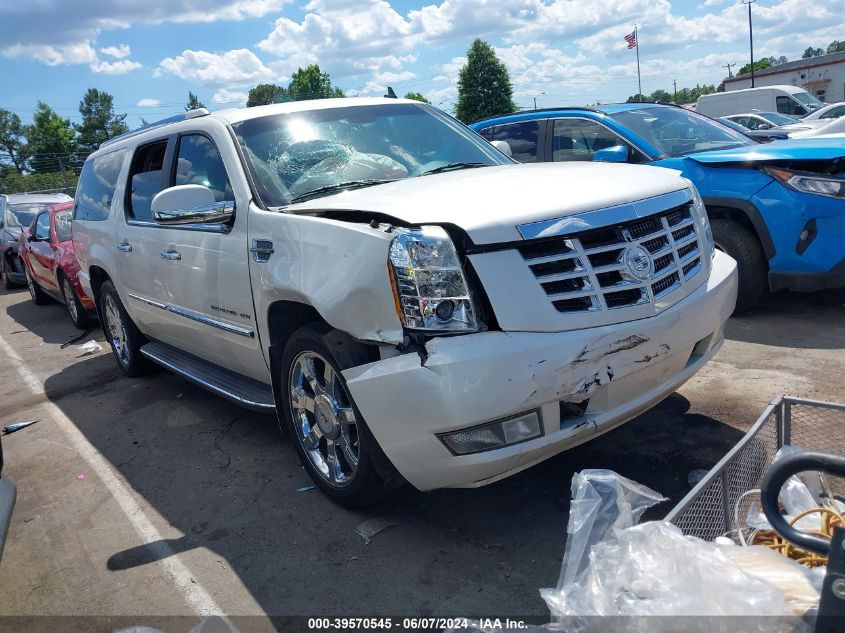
(74, 306)
(327, 429)
(39, 297)
(121, 332)
(752, 268)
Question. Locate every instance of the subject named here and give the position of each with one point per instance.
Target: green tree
(638, 98)
(311, 83)
(99, 122)
(760, 64)
(13, 141)
(835, 47)
(193, 102)
(52, 141)
(812, 52)
(484, 86)
(660, 96)
(416, 96)
(265, 94)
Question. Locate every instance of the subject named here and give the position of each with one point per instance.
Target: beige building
(823, 77)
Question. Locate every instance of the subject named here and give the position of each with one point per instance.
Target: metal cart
(710, 509)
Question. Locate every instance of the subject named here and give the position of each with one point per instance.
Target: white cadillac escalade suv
(410, 303)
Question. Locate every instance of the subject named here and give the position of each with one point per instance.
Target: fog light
(493, 434)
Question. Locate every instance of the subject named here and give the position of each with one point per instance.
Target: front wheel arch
(744, 213)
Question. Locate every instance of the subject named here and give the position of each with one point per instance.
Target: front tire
(329, 432)
(122, 333)
(39, 297)
(741, 244)
(74, 306)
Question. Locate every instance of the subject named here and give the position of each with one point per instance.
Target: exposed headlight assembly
(701, 220)
(807, 182)
(431, 290)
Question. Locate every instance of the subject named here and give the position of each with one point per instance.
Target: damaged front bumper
(617, 371)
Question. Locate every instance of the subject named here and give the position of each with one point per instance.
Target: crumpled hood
(792, 149)
(489, 202)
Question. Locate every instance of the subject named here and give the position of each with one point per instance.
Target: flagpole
(639, 81)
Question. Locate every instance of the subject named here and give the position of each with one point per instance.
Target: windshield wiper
(451, 167)
(338, 186)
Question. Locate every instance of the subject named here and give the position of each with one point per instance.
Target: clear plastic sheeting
(614, 567)
(603, 503)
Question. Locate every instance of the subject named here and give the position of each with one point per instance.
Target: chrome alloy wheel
(324, 419)
(115, 329)
(70, 299)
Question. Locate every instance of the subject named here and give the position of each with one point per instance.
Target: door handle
(126, 247)
(171, 255)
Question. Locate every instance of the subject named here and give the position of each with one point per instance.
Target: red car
(49, 262)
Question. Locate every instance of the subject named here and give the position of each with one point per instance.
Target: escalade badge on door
(638, 261)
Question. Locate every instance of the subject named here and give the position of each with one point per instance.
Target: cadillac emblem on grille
(638, 262)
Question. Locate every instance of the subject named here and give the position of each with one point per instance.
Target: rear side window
(63, 219)
(97, 182)
(199, 163)
(146, 179)
(523, 138)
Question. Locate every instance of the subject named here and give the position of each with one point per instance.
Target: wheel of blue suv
(328, 431)
(741, 244)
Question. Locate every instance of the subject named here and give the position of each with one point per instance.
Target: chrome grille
(585, 271)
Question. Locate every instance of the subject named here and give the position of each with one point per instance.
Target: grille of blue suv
(586, 271)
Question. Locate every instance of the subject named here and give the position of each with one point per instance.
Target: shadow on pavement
(230, 482)
(49, 321)
(809, 321)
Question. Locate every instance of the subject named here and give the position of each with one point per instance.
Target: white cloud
(148, 103)
(233, 68)
(118, 52)
(71, 54)
(81, 53)
(74, 21)
(380, 81)
(230, 97)
(119, 67)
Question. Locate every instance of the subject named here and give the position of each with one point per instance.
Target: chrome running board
(241, 390)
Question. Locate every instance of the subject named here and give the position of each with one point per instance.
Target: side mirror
(504, 147)
(190, 204)
(764, 126)
(614, 154)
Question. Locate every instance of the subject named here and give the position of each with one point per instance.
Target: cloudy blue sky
(149, 53)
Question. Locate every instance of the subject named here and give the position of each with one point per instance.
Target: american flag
(631, 38)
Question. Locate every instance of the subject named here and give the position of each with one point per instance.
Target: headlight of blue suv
(701, 220)
(805, 182)
(430, 286)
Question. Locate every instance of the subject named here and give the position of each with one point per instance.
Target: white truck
(412, 304)
(784, 99)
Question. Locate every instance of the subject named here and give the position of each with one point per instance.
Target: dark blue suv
(777, 208)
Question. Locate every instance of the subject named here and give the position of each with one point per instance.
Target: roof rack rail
(530, 110)
(190, 114)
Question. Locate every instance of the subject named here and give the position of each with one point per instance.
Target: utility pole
(729, 66)
(750, 37)
(675, 90)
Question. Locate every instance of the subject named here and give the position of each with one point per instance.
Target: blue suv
(777, 208)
